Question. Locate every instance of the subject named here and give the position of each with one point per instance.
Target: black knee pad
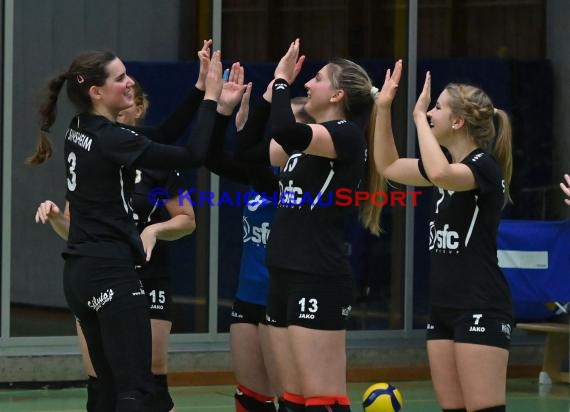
(327, 404)
(328, 408)
(132, 401)
(100, 395)
(281, 405)
(160, 401)
(498, 408)
(248, 401)
(291, 406)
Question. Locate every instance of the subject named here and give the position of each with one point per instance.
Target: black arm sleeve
(220, 161)
(284, 129)
(251, 145)
(160, 156)
(177, 122)
(262, 179)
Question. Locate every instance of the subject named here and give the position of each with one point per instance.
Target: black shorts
(321, 302)
(481, 327)
(245, 312)
(159, 294)
(107, 297)
(95, 285)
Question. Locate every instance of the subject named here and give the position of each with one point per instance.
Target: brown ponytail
(357, 85)
(48, 113)
(375, 182)
(503, 149)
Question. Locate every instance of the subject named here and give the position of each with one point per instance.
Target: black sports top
(307, 233)
(462, 241)
(101, 158)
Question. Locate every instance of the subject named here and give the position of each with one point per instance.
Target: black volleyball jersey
(462, 241)
(307, 232)
(100, 180)
(153, 188)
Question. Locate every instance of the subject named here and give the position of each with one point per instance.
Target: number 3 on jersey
(72, 179)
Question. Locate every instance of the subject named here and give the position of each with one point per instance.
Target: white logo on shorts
(506, 329)
(237, 315)
(97, 302)
(479, 329)
(140, 291)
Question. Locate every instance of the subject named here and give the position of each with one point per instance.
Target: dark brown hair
(88, 69)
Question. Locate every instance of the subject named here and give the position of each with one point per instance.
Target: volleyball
(382, 397)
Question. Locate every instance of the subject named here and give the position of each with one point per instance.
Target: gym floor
(524, 395)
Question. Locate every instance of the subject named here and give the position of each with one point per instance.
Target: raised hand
(46, 211)
(268, 94)
(232, 90)
(566, 188)
(424, 99)
(214, 82)
(204, 58)
(390, 87)
(243, 112)
(290, 64)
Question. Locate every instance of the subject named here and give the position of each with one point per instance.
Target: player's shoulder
(481, 157)
(342, 126)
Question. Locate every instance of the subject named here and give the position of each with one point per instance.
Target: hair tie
(80, 79)
(374, 92)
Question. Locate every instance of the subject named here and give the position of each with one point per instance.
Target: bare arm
(450, 176)
(386, 159)
(48, 212)
(566, 188)
(321, 143)
(182, 222)
(277, 155)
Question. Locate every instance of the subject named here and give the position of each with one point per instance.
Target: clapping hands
(290, 64)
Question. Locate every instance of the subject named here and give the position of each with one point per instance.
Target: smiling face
(117, 92)
(319, 92)
(441, 119)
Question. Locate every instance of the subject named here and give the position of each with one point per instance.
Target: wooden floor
(524, 395)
